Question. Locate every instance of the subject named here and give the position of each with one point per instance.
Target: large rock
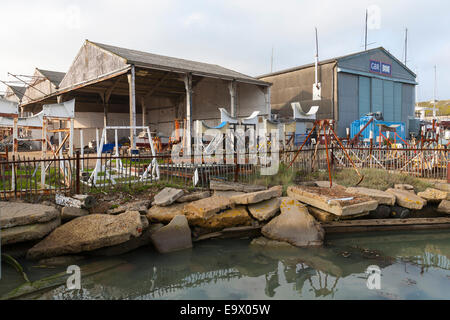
(408, 199)
(144, 239)
(70, 213)
(294, 225)
(165, 214)
(255, 197)
(167, 196)
(141, 206)
(265, 210)
(433, 195)
(381, 196)
(174, 236)
(237, 216)
(194, 196)
(88, 233)
(381, 212)
(334, 200)
(28, 232)
(220, 185)
(444, 207)
(18, 214)
(207, 207)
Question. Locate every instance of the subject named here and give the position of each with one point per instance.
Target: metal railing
(30, 177)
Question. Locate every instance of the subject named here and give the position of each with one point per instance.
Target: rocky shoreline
(173, 219)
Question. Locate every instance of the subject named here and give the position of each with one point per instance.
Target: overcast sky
(237, 34)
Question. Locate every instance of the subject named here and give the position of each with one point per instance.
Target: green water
(414, 265)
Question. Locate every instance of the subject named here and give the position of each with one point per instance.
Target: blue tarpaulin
(392, 126)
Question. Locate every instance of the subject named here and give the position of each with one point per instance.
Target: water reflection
(234, 269)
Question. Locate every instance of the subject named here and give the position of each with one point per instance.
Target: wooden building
(122, 87)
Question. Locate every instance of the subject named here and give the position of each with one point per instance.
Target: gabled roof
(54, 77)
(150, 60)
(336, 59)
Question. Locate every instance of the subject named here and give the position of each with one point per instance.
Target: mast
(316, 61)
(365, 33)
(434, 94)
(406, 45)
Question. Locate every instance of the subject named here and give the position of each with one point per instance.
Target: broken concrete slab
(255, 197)
(165, 214)
(294, 225)
(227, 194)
(403, 186)
(194, 196)
(28, 232)
(174, 236)
(326, 184)
(442, 186)
(381, 196)
(333, 200)
(207, 207)
(88, 233)
(141, 206)
(433, 195)
(407, 199)
(130, 245)
(18, 214)
(234, 217)
(167, 196)
(265, 210)
(220, 185)
(70, 213)
(324, 216)
(444, 207)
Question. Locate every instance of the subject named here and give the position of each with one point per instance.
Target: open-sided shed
(118, 86)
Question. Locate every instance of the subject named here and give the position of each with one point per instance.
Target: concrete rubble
(20, 222)
(255, 197)
(167, 196)
(294, 225)
(433, 195)
(407, 199)
(265, 210)
(335, 201)
(174, 236)
(444, 207)
(88, 233)
(381, 196)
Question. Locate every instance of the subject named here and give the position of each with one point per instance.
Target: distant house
(351, 86)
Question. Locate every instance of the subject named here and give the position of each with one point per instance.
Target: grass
(373, 178)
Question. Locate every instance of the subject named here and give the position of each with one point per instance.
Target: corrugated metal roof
(309, 65)
(54, 77)
(145, 59)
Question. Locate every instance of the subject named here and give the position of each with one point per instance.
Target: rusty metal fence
(28, 178)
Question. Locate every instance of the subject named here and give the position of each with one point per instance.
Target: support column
(232, 89)
(131, 83)
(105, 115)
(144, 112)
(267, 101)
(188, 86)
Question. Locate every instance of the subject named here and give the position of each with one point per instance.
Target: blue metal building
(351, 87)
